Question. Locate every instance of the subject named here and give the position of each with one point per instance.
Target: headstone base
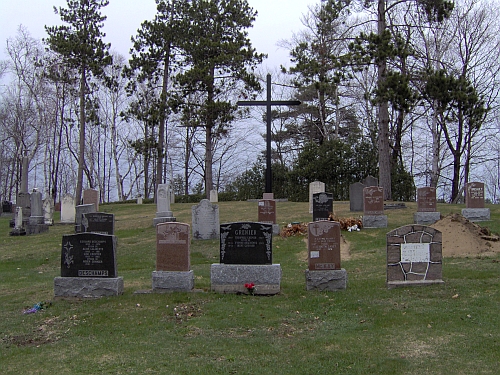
(35, 220)
(374, 221)
(476, 214)
(87, 287)
(173, 281)
(396, 284)
(36, 228)
(330, 280)
(18, 232)
(231, 278)
(426, 218)
(159, 220)
(276, 229)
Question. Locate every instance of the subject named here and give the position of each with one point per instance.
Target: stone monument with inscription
(322, 206)
(315, 187)
(98, 222)
(173, 264)
(246, 258)
(426, 206)
(88, 267)
(323, 246)
(414, 256)
(205, 220)
(474, 203)
(267, 213)
(163, 199)
(373, 207)
(48, 209)
(80, 211)
(36, 223)
(68, 211)
(356, 196)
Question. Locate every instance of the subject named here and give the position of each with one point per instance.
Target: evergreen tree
(81, 45)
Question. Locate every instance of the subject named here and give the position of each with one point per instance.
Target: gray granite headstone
(68, 210)
(37, 216)
(205, 220)
(356, 196)
(322, 206)
(80, 211)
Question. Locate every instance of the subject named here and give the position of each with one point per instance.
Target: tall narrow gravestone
(414, 256)
(68, 209)
(356, 196)
(474, 203)
(48, 209)
(36, 223)
(163, 199)
(246, 258)
(322, 206)
(315, 187)
(173, 265)
(373, 207)
(88, 267)
(323, 246)
(205, 220)
(426, 206)
(91, 196)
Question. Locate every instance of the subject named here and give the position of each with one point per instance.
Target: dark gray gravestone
(79, 212)
(7, 207)
(322, 206)
(370, 181)
(246, 243)
(88, 255)
(98, 222)
(356, 196)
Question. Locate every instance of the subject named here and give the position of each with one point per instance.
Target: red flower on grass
(250, 287)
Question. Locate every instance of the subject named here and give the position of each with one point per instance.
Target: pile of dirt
(462, 237)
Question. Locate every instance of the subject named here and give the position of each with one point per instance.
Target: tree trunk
(81, 152)
(208, 138)
(384, 156)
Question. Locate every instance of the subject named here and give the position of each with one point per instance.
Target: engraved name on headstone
(267, 211)
(98, 222)
(322, 206)
(426, 199)
(172, 247)
(246, 243)
(373, 200)
(474, 195)
(205, 220)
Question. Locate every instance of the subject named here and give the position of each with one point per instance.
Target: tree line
(404, 90)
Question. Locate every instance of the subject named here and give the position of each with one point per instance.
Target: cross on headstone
(268, 103)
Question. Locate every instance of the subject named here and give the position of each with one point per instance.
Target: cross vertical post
(268, 103)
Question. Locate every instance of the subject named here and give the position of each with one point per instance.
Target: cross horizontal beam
(264, 102)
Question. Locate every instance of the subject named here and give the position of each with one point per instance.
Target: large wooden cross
(268, 103)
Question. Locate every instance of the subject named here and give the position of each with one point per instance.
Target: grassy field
(367, 329)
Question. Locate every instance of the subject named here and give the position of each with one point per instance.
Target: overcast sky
(277, 20)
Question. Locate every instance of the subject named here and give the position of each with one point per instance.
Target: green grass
(367, 329)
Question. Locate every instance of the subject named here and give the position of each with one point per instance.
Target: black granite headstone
(7, 207)
(88, 255)
(99, 222)
(246, 243)
(322, 206)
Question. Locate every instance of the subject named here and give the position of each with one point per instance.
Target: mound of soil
(462, 237)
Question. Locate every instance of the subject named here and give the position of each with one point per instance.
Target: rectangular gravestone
(246, 243)
(267, 211)
(88, 267)
(163, 200)
(315, 187)
(173, 264)
(91, 196)
(48, 210)
(373, 207)
(68, 209)
(323, 245)
(322, 206)
(414, 256)
(474, 203)
(426, 206)
(6, 207)
(205, 220)
(356, 196)
(79, 212)
(214, 196)
(370, 181)
(98, 222)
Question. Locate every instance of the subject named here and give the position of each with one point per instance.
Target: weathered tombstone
(173, 265)
(370, 181)
(88, 267)
(23, 200)
(36, 223)
(48, 209)
(91, 196)
(268, 196)
(474, 203)
(163, 199)
(18, 223)
(315, 187)
(323, 245)
(6, 207)
(214, 196)
(98, 222)
(356, 196)
(68, 211)
(426, 206)
(373, 207)
(414, 256)
(80, 211)
(246, 257)
(322, 206)
(139, 199)
(205, 220)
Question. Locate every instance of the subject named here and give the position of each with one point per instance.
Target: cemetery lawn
(367, 329)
